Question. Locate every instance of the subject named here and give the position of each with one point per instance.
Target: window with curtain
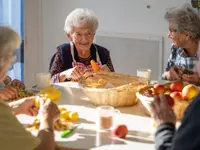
(12, 15)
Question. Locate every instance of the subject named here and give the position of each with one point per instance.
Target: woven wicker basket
(179, 106)
(107, 88)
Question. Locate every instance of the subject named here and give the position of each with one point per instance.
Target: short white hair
(9, 41)
(80, 17)
(186, 19)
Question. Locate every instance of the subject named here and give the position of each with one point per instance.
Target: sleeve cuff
(164, 76)
(164, 136)
(165, 126)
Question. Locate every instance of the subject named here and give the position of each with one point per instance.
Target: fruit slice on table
(73, 116)
(50, 93)
(61, 109)
(94, 65)
(64, 114)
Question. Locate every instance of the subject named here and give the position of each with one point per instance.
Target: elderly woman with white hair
(13, 135)
(72, 59)
(184, 31)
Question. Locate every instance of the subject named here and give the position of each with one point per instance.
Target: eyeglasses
(13, 61)
(78, 35)
(172, 31)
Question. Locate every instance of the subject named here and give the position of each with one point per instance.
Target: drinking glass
(107, 117)
(43, 80)
(144, 73)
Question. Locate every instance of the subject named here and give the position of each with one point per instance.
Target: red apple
(159, 88)
(177, 86)
(176, 95)
(167, 86)
(120, 131)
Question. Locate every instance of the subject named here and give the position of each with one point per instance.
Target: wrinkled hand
(7, 80)
(104, 68)
(194, 78)
(161, 112)
(27, 107)
(73, 73)
(173, 74)
(76, 73)
(17, 83)
(8, 93)
(48, 110)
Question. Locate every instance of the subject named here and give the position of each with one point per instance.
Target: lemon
(73, 116)
(64, 114)
(61, 109)
(37, 102)
(50, 92)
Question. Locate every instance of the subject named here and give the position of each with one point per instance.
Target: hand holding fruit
(160, 110)
(76, 73)
(73, 73)
(194, 78)
(48, 111)
(17, 83)
(8, 93)
(95, 66)
(27, 107)
(173, 74)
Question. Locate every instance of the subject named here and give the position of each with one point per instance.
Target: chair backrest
(51, 61)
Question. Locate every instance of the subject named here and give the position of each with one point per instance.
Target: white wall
(116, 16)
(33, 40)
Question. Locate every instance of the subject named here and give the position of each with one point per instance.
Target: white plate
(70, 88)
(33, 90)
(66, 84)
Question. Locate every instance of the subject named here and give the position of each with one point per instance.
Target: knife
(68, 131)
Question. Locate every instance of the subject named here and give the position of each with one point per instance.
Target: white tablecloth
(140, 135)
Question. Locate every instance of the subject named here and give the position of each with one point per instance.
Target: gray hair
(9, 41)
(79, 18)
(186, 19)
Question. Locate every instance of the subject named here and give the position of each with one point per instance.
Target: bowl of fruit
(178, 95)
